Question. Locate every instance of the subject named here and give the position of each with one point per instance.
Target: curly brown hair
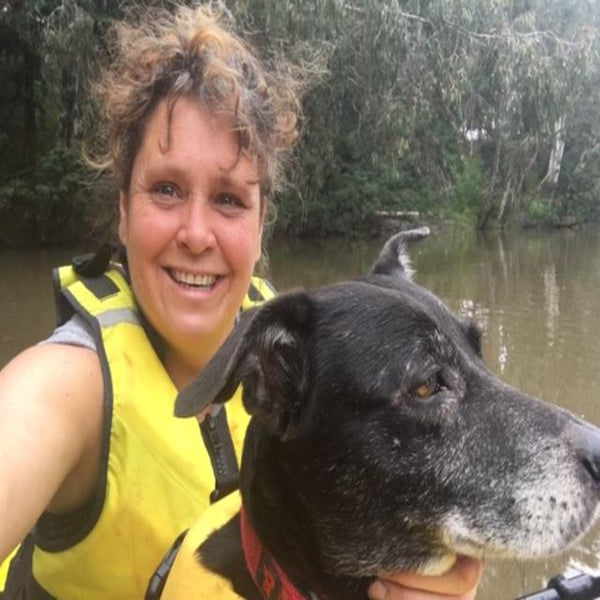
(194, 52)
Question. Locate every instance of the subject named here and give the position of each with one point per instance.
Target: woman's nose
(196, 228)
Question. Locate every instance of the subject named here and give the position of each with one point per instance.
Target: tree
(20, 30)
(486, 108)
(68, 55)
(412, 83)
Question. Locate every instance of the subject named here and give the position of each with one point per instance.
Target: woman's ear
(261, 226)
(259, 244)
(123, 217)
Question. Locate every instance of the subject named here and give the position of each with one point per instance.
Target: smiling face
(191, 221)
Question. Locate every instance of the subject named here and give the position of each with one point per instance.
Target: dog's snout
(587, 445)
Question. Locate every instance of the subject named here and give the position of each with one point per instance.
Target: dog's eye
(428, 388)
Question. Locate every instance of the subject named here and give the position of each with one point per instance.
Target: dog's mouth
(439, 565)
(538, 535)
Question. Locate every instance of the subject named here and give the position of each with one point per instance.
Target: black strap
(157, 582)
(20, 583)
(93, 265)
(218, 442)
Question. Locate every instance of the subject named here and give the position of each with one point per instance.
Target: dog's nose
(586, 440)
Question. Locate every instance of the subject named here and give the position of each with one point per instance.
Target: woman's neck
(179, 371)
(185, 361)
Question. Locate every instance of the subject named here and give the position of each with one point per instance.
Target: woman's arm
(50, 430)
(460, 583)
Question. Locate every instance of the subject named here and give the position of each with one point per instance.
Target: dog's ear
(213, 384)
(393, 259)
(474, 332)
(266, 353)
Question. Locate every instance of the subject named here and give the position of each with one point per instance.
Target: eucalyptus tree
(506, 76)
(416, 89)
(534, 63)
(369, 119)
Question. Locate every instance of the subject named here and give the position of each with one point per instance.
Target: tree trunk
(501, 119)
(505, 203)
(556, 154)
(490, 199)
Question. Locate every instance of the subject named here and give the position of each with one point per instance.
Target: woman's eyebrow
(227, 180)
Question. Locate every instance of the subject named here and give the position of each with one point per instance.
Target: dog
(380, 442)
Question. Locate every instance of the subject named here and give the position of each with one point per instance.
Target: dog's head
(378, 425)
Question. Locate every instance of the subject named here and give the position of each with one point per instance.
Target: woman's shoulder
(50, 426)
(57, 372)
(59, 385)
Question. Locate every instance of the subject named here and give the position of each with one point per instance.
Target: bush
(468, 189)
(60, 203)
(541, 211)
(348, 201)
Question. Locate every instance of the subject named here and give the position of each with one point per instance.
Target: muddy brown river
(536, 293)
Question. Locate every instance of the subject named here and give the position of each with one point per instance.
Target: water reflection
(537, 297)
(552, 301)
(536, 294)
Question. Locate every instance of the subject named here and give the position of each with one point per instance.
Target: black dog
(380, 442)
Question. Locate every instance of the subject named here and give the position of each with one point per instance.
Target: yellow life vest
(156, 472)
(188, 579)
(4, 570)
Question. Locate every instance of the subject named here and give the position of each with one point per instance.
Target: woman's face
(192, 223)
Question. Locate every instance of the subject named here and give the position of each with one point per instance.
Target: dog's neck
(268, 576)
(280, 523)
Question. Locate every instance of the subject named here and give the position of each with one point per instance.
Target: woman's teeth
(193, 279)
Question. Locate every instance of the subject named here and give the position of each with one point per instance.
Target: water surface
(536, 293)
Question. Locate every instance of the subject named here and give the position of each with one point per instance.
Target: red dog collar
(268, 576)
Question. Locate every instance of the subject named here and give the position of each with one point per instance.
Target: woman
(91, 457)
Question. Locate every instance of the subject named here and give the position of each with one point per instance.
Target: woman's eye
(165, 189)
(428, 388)
(229, 200)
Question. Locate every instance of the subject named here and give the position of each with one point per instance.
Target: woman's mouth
(192, 280)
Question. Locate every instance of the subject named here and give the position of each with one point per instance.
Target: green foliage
(59, 203)
(349, 200)
(469, 188)
(448, 107)
(405, 86)
(541, 211)
(582, 197)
